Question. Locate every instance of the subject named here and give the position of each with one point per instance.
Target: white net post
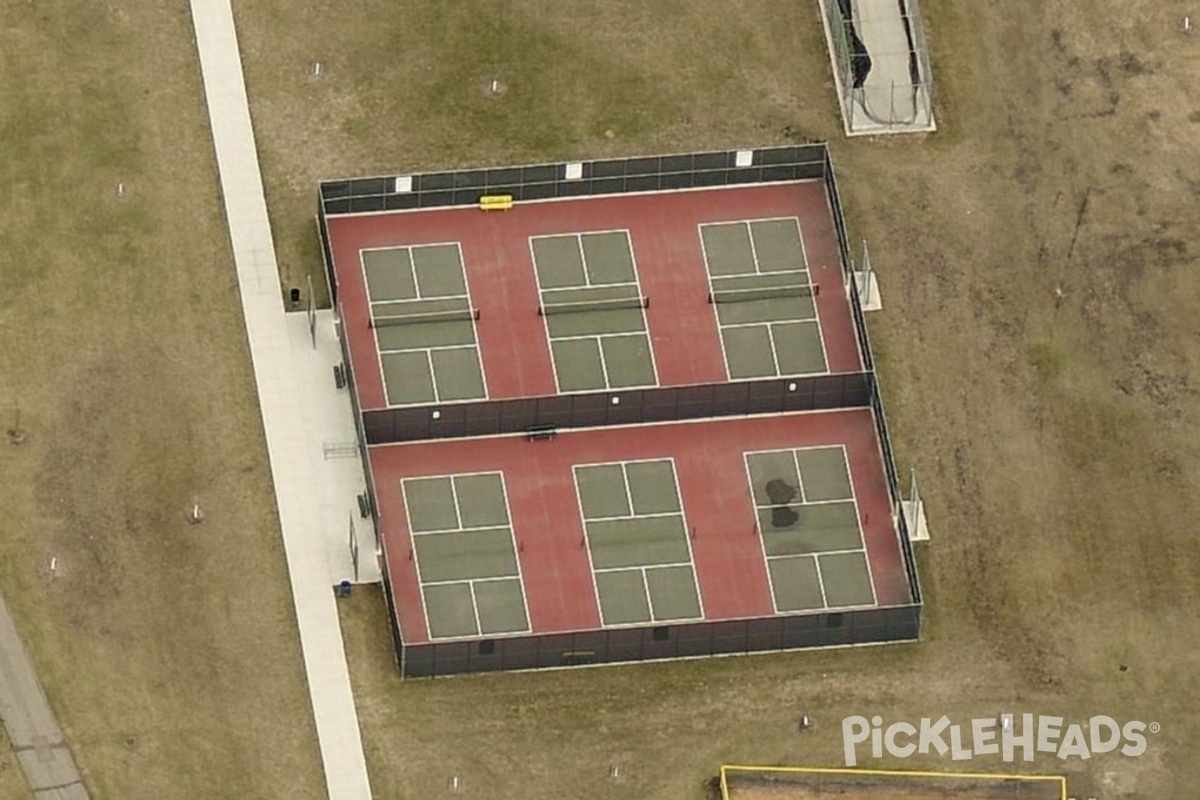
(353, 547)
(866, 272)
(312, 314)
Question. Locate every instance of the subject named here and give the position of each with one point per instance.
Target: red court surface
(663, 229)
(708, 454)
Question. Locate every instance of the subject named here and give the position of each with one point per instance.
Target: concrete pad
(868, 291)
(334, 450)
(914, 517)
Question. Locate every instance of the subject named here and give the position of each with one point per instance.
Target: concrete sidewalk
(36, 738)
(285, 419)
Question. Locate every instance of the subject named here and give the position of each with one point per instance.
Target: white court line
(708, 277)
(437, 394)
(722, 327)
(800, 476)
(795, 452)
(362, 265)
(687, 538)
(758, 534)
(646, 591)
(820, 580)
(550, 339)
(862, 534)
(475, 609)
(457, 507)
(380, 352)
(691, 563)
(510, 526)
(799, 237)
(412, 269)
(587, 542)
(494, 579)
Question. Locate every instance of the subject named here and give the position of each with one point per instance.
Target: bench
(540, 432)
(495, 202)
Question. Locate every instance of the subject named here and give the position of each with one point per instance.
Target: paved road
(36, 738)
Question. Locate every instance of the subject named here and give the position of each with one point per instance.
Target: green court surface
(594, 311)
(466, 559)
(807, 518)
(762, 291)
(638, 542)
(424, 324)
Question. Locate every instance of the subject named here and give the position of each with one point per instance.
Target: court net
(615, 304)
(774, 293)
(456, 315)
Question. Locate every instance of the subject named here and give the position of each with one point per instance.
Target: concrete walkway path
(295, 474)
(36, 738)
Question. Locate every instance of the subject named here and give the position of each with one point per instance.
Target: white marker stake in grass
(54, 566)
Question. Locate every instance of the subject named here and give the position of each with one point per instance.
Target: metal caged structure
(881, 65)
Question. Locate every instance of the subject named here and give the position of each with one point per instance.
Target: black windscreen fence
(669, 404)
(692, 640)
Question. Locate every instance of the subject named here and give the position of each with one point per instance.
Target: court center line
(687, 537)
(753, 249)
(475, 609)
(598, 338)
(649, 599)
(587, 543)
(820, 581)
(862, 534)
(708, 277)
(758, 534)
(799, 476)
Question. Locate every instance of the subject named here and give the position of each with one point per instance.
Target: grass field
(1055, 437)
(169, 652)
